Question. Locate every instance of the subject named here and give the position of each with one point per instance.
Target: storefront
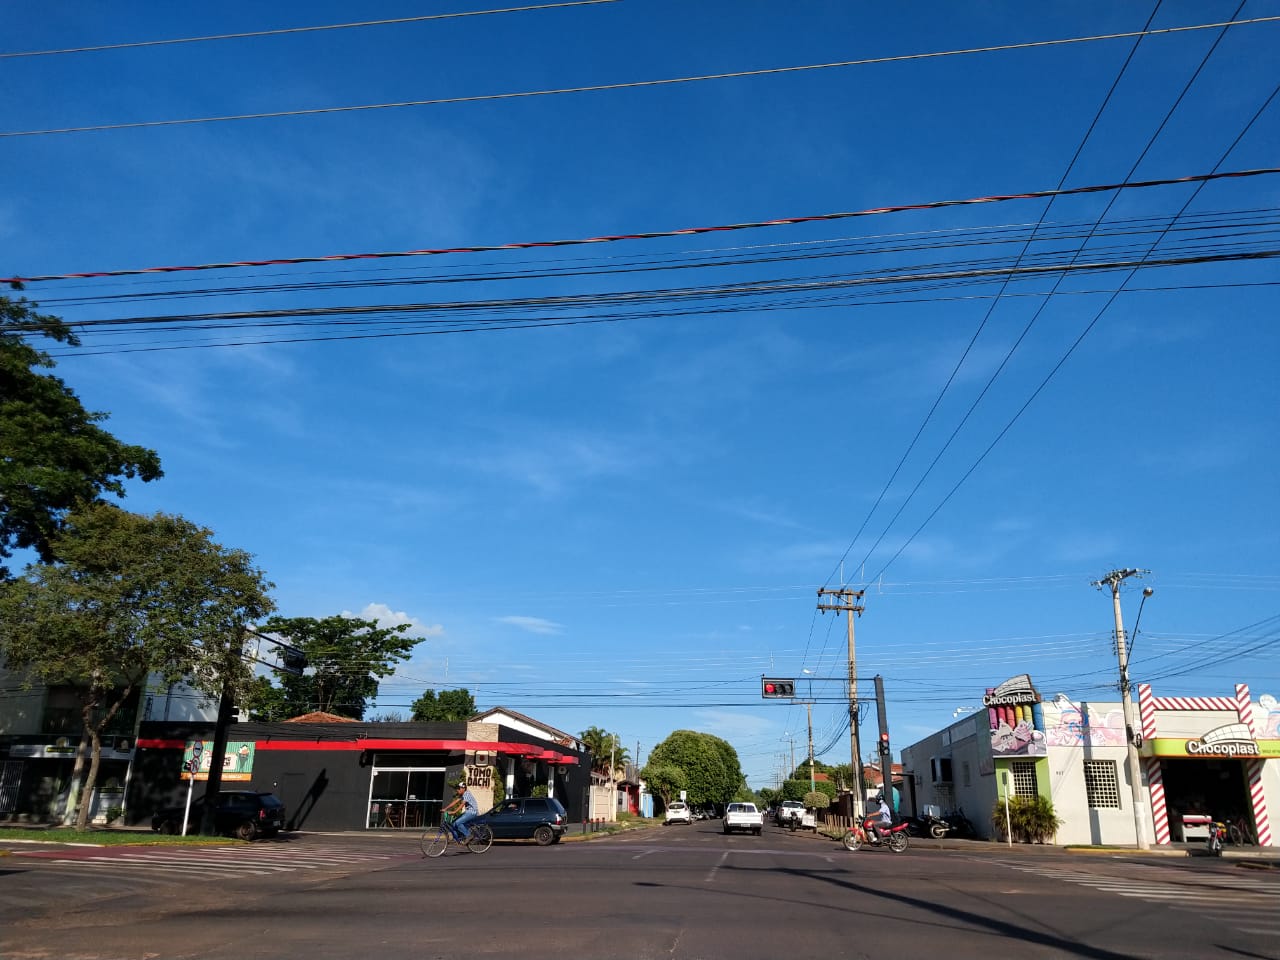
(348, 775)
(1201, 759)
(1210, 758)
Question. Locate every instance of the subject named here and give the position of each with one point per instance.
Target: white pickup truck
(743, 816)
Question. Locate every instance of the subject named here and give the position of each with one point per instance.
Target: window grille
(1024, 778)
(1101, 785)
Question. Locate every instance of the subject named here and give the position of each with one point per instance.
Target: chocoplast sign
(1231, 740)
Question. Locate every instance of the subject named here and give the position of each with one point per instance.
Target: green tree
(345, 658)
(454, 706)
(664, 780)
(605, 748)
(53, 454)
(710, 765)
(132, 596)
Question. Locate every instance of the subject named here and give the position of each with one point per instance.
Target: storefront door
(1213, 788)
(404, 798)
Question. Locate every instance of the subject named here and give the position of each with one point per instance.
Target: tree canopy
(710, 765)
(448, 706)
(605, 748)
(132, 596)
(345, 657)
(53, 454)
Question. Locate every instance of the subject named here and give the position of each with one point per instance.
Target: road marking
(1211, 895)
(711, 874)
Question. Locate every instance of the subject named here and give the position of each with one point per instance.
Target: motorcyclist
(884, 817)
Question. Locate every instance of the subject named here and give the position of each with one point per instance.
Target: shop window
(1101, 785)
(1024, 778)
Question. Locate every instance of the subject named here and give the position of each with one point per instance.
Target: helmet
(878, 798)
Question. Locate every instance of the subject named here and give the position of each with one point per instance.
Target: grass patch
(104, 837)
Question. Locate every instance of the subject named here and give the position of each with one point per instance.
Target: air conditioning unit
(941, 769)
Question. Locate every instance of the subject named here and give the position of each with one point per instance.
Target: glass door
(404, 798)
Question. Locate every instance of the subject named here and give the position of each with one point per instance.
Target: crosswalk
(1248, 903)
(243, 860)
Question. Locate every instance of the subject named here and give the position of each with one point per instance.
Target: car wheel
(168, 828)
(247, 830)
(757, 831)
(544, 836)
(727, 830)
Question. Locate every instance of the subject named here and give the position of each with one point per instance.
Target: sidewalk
(1259, 856)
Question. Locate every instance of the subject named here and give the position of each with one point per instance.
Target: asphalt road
(676, 893)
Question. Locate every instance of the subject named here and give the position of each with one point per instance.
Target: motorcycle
(896, 838)
(1217, 834)
(936, 827)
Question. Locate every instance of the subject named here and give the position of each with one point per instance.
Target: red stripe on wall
(493, 746)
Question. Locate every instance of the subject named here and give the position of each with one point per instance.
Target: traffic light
(772, 689)
(292, 661)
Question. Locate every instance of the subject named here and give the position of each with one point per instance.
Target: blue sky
(624, 524)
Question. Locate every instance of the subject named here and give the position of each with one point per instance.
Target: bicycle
(1238, 833)
(433, 842)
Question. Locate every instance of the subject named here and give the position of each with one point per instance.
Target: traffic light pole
(886, 753)
(846, 602)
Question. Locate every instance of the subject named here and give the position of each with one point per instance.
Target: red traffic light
(772, 689)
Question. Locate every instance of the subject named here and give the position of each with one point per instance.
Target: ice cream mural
(1016, 719)
(1082, 724)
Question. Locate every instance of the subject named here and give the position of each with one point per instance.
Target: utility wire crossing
(683, 232)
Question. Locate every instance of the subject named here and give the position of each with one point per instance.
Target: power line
(928, 417)
(682, 232)
(595, 88)
(288, 30)
(1098, 316)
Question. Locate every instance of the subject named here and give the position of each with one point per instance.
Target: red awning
(567, 761)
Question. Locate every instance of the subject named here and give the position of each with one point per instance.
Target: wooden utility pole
(847, 602)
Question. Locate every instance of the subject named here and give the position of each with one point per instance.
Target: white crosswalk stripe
(1248, 904)
(214, 861)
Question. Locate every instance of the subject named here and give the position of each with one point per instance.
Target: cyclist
(463, 800)
(885, 819)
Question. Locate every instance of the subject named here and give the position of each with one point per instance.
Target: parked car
(678, 812)
(247, 814)
(743, 816)
(541, 819)
(788, 811)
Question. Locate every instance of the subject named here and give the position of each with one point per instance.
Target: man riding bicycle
(465, 801)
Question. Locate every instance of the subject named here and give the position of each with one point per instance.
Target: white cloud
(386, 617)
(532, 624)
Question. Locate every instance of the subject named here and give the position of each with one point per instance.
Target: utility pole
(808, 707)
(846, 601)
(1112, 581)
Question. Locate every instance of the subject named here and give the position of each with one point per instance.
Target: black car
(541, 819)
(246, 814)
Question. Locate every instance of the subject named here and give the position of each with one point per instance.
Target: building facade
(1201, 759)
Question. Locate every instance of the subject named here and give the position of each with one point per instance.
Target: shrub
(817, 800)
(539, 791)
(1031, 819)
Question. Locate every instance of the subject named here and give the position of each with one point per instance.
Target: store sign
(237, 762)
(1015, 719)
(1230, 740)
(1016, 691)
